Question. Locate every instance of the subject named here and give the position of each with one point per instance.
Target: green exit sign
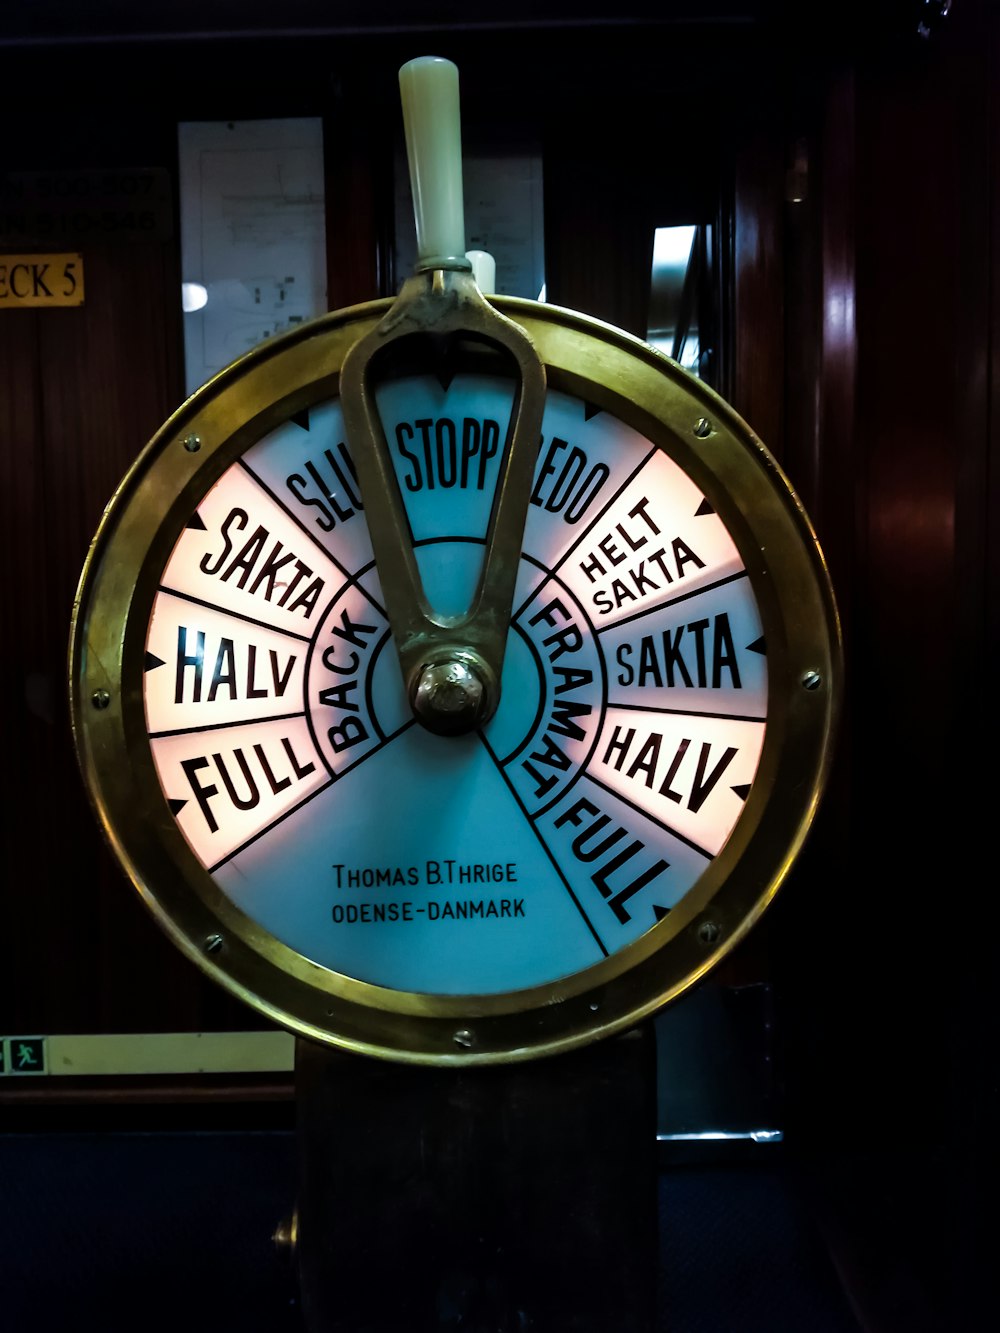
(22, 1055)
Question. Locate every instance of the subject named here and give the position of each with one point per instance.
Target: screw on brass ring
(709, 932)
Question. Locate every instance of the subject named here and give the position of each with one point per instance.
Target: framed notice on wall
(253, 247)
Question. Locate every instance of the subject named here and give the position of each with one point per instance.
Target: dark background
(856, 336)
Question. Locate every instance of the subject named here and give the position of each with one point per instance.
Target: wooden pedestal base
(507, 1199)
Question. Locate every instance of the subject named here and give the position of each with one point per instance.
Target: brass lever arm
(451, 665)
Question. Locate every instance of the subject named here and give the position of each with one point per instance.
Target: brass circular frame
(775, 539)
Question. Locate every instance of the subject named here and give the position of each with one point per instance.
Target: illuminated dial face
(668, 694)
(632, 715)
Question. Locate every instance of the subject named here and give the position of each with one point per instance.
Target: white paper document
(252, 234)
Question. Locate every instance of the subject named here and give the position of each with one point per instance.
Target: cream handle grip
(428, 88)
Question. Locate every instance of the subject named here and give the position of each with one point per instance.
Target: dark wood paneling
(85, 389)
(924, 1012)
(358, 147)
(755, 384)
(909, 663)
(819, 454)
(101, 377)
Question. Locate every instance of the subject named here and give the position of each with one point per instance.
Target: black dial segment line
(242, 723)
(336, 777)
(379, 647)
(269, 828)
(266, 440)
(530, 646)
(660, 709)
(223, 726)
(535, 596)
(350, 631)
(545, 847)
(651, 818)
(265, 574)
(554, 568)
(294, 809)
(652, 607)
(225, 683)
(703, 509)
(223, 675)
(227, 611)
(648, 542)
(293, 517)
(756, 646)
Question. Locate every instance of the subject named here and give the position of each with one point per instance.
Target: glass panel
(680, 322)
